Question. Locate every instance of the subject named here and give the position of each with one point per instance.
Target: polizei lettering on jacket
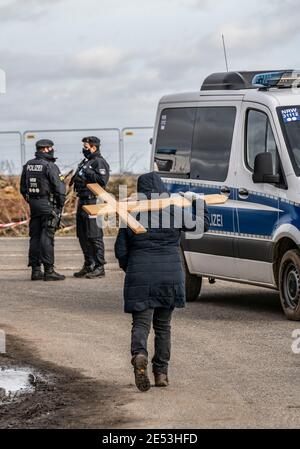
(35, 167)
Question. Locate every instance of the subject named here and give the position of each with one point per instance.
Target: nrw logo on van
(291, 115)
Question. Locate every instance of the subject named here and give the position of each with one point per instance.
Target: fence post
(23, 149)
(121, 150)
(2, 342)
(2, 82)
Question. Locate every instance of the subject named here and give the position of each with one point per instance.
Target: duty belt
(38, 197)
(84, 199)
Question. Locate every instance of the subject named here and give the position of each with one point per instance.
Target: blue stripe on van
(253, 222)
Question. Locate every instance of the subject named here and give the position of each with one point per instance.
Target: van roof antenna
(225, 52)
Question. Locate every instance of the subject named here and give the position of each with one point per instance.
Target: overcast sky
(106, 63)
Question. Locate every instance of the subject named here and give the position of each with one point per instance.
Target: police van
(239, 136)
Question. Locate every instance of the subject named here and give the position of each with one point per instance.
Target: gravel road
(232, 363)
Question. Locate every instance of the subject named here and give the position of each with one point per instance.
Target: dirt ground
(232, 362)
(13, 208)
(62, 398)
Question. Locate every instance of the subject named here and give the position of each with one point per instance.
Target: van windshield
(289, 117)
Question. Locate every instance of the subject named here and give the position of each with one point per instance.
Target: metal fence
(127, 150)
(11, 159)
(69, 147)
(136, 149)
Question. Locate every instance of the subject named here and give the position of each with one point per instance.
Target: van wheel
(193, 283)
(289, 284)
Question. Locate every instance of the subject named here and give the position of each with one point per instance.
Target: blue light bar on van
(286, 79)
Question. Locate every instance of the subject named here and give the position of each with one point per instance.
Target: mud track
(63, 398)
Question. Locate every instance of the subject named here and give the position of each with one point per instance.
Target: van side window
(260, 139)
(174, 140)
(212, 143)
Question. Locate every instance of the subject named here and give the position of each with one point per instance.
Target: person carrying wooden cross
(155, 282)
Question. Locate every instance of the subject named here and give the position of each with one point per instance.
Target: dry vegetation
(13, 208)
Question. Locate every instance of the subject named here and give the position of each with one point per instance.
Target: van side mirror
(263, 170)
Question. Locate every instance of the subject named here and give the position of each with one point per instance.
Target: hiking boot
(161, 380)
(51, 275)
(37, 274)
(86, 269)
(98, 272)
(142, 381)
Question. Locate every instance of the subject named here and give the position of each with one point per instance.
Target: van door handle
(243, 194)
(225, 191)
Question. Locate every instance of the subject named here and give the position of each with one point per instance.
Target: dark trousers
(90, 237)
(141, 326)
(41, 248)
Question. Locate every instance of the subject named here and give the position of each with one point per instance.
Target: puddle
(14, 381)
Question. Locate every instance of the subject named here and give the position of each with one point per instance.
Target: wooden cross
(123, 208)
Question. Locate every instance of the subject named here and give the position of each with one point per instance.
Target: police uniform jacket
(95, 169)
(41, 180)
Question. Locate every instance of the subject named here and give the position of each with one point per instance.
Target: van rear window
(174, 140)
(195, 142)
(212, 143)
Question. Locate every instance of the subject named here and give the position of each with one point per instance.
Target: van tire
(193, 283)
(289, 284)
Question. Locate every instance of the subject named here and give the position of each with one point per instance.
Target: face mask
(86, 153)
(49, 154)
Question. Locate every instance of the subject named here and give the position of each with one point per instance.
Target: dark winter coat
(94, 170)
(41, 178)
(152, 261)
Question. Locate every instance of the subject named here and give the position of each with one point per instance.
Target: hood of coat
(151, 184)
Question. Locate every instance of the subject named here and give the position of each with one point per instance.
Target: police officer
(43, 188)
(93, 169)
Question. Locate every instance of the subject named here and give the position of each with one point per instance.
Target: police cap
(44, 143)
(92, 140)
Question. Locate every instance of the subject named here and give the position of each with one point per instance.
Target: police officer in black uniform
(93, 169)
(43, 188)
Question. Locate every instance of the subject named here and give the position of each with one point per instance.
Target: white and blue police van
(239, 136)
